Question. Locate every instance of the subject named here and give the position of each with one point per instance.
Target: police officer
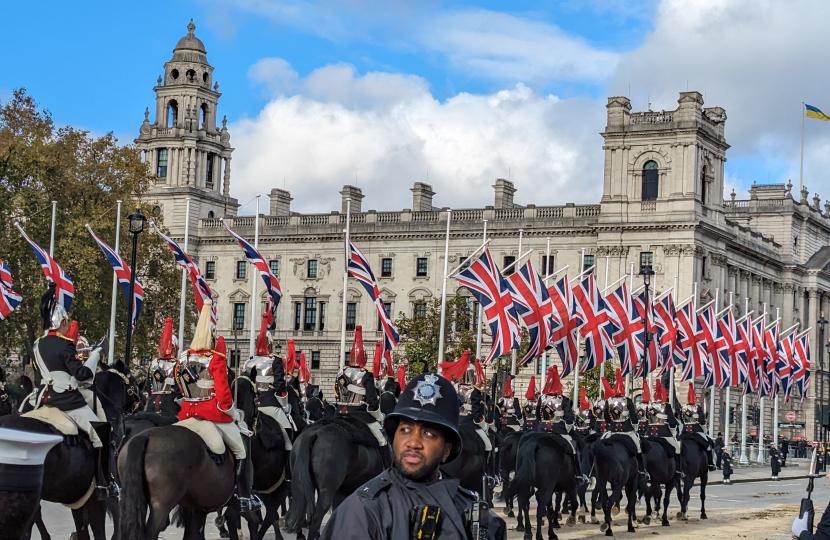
(412, 498)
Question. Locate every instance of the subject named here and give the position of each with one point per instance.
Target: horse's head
(245, 397)
(118, 386)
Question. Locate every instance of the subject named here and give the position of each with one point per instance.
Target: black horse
(615, 464)
(695, 465)
(507, 465)
(6, 404)
(662, 471)
(330, 459)
(470, 467)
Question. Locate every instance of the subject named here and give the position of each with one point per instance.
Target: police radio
(477, 518)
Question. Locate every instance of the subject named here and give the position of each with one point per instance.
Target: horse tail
(302, 487)
(133, 506)
(525, 469)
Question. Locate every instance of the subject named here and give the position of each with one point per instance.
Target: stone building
(662, 203)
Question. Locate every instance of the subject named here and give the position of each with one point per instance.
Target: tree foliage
(85, 175)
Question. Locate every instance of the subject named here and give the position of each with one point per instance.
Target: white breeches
(283, 420)
(570, 441)
(82, 417)
(376, 430)
(514, 428)
(706, 438)
(482, 432)
(232, 438)
(90, 398)
(674, 442)
(632, 434)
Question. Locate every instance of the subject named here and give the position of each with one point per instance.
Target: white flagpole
(576, 362)
(714, 385)
(671, 370)
(444, 290)
(253, 268)
(602, 364)
(801, 173)
(630, 285)
(545, 272)
(347, 251)
(480, 310)
(111, 354)
(184, 275)
(744, 460)
(760, 457)
(775, 406)
(52, 233)
(514, 351)
(728, 417)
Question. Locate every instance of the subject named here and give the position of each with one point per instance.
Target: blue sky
(393, 73)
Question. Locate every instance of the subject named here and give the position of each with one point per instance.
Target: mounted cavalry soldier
(621, 416)
(161, 368)
(529, 409)
(469, 382)
(62, 372)
(85, 387)
(412, 499)
(268, 372)
(356, 393)
(202, 376)
(662, 425)
(694, 420)
(509, 406)
(554, 415)
(584, 419)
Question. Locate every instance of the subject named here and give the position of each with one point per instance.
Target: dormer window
(650, 181)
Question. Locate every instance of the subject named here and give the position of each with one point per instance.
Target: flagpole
(184, 275)
(728, 417)
(775, 406)
(545, 273)
(576, 363)
(111, 353)
(253, 268)
(801, 173)
(760, 457)
(744, 460)
(630, 285)
(52, 233)
(480, 309)
(513, 352)
(347, 252)
(444, 294)
(714, 385)
(602, 364)
(671, 370)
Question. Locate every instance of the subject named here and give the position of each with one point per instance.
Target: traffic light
(732, 415)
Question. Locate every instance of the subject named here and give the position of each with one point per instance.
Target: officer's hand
(104, 345)
(800, 525)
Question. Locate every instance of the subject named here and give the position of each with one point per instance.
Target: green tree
(85, 175)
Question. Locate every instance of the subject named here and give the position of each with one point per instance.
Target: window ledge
(420, 278)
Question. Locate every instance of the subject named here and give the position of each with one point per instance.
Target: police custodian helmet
(428, 398)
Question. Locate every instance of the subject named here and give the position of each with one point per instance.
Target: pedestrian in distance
(774, 461)
(727, 466)
(719, 446)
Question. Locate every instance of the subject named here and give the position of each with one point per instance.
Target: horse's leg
(574, 502)
(630, 495)
(541, 510)
(112, 507)
(704, 478)
(666, 500)
(553, 523)
(81, 524)
(194, 527)
(556, 510)
(97, 518)
(684, 501)
(41, 527)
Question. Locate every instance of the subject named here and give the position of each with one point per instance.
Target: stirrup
(108, 492)
(581, 479)
(250, 504)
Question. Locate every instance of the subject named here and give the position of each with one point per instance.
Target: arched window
(703, 185)
(210, 214)
(203, 116)
(650, 181)
(172, 113)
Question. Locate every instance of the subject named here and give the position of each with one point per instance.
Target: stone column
(787, 305)
(197, 181)
(767, 284)
(811, 318)
(732, 285)
(226, 188)
(778, 300)
(743, 275)
(173, 167)
(756, 303)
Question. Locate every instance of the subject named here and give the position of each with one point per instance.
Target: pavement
(754, 507)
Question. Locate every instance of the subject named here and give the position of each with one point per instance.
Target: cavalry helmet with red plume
(165, 349)
(507, 389)
(263, 339)
(357, 358)
(454, 371)
(692, 398)
(530, 395)
(619, 388)
(583, 401)
(553, 384)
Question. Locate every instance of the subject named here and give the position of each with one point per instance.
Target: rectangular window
(386, 268)
(162, 168)
(312, 268)
(351, 316)
(241, 269)
(474, 316)
(298, 315)
(420, 309)
(315, 359)
(421, 270)
(547, 266)
(387, 307)
(310, 314)
(589, 262)
(322, 315)
(234, 358)
(238, 316)
(275, 268)
(508, 260)
(210, 270)
(209, 171)
(540, 365)
(646, 258)
(346, 358)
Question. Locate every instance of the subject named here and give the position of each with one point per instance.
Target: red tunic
(220, 400)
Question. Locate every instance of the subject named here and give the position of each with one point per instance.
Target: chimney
(619, 109)
(422, 197)
(353, 193)
(280, 202)
(504, 193)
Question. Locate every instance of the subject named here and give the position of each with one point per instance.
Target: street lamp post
(822, 322)
(646, 271)
(137, 222)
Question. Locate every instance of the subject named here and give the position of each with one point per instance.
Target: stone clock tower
(187, 153)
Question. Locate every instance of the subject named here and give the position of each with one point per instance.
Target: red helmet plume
(73, 332)
(357, 358)
(531, 389)
(607, 391)
(583, 401)
(290, 358)
(646, 392)
(165, 349)
(376, 359)
(387, 356)
(659, 392)
(481, 379)
(221, 348)
(507, 389)
(305, 373)
(402, 376)
(619, 388)
(454, 371)
(262, 338)
(553, 384)
(692, 399)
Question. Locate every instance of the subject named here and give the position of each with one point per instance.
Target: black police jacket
(381, 509)
(59, 354)
(477, 405)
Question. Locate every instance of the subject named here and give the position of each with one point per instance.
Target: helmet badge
(427, 391)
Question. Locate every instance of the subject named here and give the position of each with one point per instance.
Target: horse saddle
(207, 431)
(55, 418)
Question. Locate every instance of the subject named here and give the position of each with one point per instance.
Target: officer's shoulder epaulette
(468, 493)
(373, 487)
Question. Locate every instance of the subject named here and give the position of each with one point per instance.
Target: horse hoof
(520, 528)
(571, 521)
(679, 515)
(581, 519)
(703, 515)
(615, 511)
(603, 527)
(609, 533)
(666, 523)
(511, 513)
(685, 517)
(594, 520)
(647, 520)
(528, 535)
(73, 536)
(555, 525)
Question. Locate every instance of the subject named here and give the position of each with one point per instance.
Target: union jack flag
(665, 317)
(254, 257)
(200, 286)
(534, 305)
(715, 371)
(122, 271)
(750, 355)
(360, 270)
(728, 338)
(762, 357)
(693, 342)
(774, 349)
(9, 300)
(787, 366)
(628, 323)
(645, 310)
(564, 337)
(64, 288)
(802, 355)
(485, 283)
(595, 325)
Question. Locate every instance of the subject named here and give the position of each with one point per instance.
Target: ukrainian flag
(813, 112)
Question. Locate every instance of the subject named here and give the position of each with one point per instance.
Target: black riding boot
(678, 465)
(247, 501)
(581, 479)
(104, 480)
(710, 459)
(641, 465)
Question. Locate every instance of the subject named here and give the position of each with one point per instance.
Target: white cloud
(387, 130)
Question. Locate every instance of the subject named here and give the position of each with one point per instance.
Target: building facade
(662, 204)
